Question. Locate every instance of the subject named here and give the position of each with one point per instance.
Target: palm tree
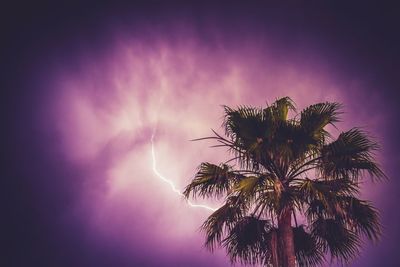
(285, 170)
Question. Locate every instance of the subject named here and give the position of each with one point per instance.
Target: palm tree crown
(282, 168)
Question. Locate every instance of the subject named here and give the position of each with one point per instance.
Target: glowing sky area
(171, 182)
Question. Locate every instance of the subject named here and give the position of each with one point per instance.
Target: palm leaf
(315, 117)
(342, 243)
(250, 186)
(324, 191)
(248, 131)
(321, 197)
(362, 217)
(212, 180)
(249, 241)
(221, 221)
(351, 154)
(307, 248)
(280, 108)
(245, 124)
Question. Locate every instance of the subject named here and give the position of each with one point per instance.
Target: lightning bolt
(171, 184)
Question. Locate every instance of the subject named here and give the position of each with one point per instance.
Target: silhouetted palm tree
(285, 168)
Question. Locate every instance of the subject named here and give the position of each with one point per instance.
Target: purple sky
(88, 86)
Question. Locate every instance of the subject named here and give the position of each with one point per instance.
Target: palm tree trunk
(286, 242)
(274, 248)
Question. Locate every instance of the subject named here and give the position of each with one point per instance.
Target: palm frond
(349, 156)
(248, 130)
(323, 190)
(307, 248)
(323, 198)
(280, 108)
(342, 243)
(243, 153)
(361, 217)
(250, 186)
(315, 117)
(222, 220)
(212, 180)
(249, 241)
(245, 124)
